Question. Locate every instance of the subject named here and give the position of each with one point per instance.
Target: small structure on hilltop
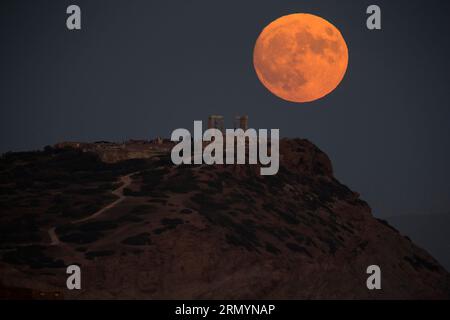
(241, 122)
(216, 122)
(158, 141)
(69, 144)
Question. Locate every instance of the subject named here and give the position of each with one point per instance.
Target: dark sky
(143, 68)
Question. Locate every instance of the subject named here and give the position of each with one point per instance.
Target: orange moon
(300, 57)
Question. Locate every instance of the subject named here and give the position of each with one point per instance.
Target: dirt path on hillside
(125, 180)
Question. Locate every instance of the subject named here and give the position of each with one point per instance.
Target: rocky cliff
(225, 232)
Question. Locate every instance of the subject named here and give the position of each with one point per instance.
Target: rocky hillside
(221, 232)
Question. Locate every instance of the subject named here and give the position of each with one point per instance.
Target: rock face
(225, 232)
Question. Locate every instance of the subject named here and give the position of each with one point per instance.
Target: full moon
(300, 57)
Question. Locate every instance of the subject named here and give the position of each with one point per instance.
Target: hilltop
(219, 232)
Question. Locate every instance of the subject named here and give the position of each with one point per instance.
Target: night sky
(139, 69)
